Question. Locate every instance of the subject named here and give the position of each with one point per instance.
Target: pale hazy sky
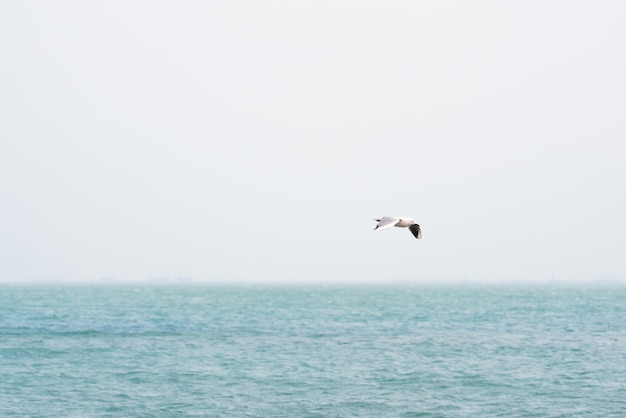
(257, 140)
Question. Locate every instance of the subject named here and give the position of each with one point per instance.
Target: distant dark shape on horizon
(389, 221)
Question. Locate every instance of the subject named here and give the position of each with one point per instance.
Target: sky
(256, 141)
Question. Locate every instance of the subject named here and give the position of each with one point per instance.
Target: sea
(454, 350)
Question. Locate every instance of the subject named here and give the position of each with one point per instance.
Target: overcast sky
(256, 140)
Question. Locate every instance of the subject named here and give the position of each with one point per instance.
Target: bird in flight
(389, 221)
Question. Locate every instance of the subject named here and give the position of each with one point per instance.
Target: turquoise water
(312, 351)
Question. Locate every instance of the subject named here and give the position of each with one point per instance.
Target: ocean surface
(312, 351)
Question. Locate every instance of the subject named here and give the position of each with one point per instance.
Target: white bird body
(389, 221)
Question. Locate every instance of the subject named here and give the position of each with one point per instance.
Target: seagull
(389, 221)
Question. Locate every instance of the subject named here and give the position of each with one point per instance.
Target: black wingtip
(416, 231)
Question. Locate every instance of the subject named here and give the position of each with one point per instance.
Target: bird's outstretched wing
(416, 231)
(386, 222)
